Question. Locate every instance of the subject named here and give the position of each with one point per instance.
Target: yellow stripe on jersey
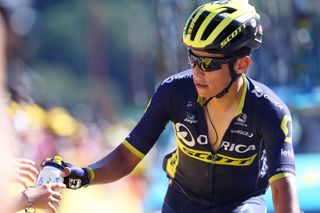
(172, 164)
(286, 126)
(243, 95)
(279, 176)
(133, 149)
(219, 159)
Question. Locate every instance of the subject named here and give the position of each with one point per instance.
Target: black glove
(79, 177)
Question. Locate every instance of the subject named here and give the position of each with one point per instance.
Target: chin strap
(234, 76)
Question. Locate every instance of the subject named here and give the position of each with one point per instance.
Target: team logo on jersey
(177, 76)
(239, 148)
(264, 164)
(287, 153)
(184, 134)
(241, 120)
(190, 116)
(259, 93)
(242, 132)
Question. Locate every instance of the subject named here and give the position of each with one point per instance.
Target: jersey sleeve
(277, 133)
(150, 126)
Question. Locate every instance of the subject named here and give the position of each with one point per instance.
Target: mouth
(201, 85)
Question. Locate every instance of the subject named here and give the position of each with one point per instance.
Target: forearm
(17, 203)
(284, 195)
(119, 163)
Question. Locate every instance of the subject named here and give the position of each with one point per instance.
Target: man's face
(210, 83)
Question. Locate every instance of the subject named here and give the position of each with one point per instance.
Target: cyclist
(233, 134)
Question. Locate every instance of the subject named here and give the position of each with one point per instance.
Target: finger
(66, 171)
(52, 208)
(27, 167)
(23, 182)
(26, 175)
(25, 161)
(57, 196)
(54, 201)
(57, 186)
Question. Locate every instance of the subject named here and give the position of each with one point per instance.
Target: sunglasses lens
(205, 64)
(213, 66)
(209, 64)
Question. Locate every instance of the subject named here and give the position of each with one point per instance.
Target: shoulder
(183, 76)
(177, 82)
(264, 98)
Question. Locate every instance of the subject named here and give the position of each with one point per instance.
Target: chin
(203, 93)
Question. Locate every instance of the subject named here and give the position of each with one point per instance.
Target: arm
(284, 195)
(44, 197)
(119, 163)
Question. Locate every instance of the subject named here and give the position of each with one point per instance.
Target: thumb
(66, 171)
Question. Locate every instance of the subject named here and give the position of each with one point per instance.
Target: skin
(121, 161)
(25, 171)
(44, 197)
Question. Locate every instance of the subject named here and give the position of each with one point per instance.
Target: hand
(46, 196)
(26, 171)
(75, 177)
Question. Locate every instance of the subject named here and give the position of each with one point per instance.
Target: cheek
(219, 78)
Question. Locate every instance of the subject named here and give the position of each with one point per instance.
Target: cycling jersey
(255, 150)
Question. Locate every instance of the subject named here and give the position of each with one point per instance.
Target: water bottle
(51, 172)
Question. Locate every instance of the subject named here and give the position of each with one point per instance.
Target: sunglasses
(208, 64)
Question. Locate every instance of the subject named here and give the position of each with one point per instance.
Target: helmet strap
(234, 76)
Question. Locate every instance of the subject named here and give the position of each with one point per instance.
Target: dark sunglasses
(208, 64)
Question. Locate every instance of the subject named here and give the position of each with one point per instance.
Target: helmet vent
(198, 23)
(211, 26)
(190, 20)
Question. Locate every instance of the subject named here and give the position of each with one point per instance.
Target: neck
(230, 99)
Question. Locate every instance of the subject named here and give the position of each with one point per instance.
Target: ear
(242, 64)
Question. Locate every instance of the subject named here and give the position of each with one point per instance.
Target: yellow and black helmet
(224, 26)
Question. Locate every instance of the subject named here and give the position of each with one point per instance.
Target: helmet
(224, 26)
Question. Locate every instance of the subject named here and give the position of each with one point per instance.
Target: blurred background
(80, 74)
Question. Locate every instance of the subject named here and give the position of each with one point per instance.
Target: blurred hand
(25, 171)
(46, 196)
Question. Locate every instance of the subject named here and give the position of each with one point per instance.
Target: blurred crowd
(41, 133)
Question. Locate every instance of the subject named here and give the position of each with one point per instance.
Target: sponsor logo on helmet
(233, 34)
(258, 32)
(253, 22)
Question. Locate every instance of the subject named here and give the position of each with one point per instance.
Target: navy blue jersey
(255, 150)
